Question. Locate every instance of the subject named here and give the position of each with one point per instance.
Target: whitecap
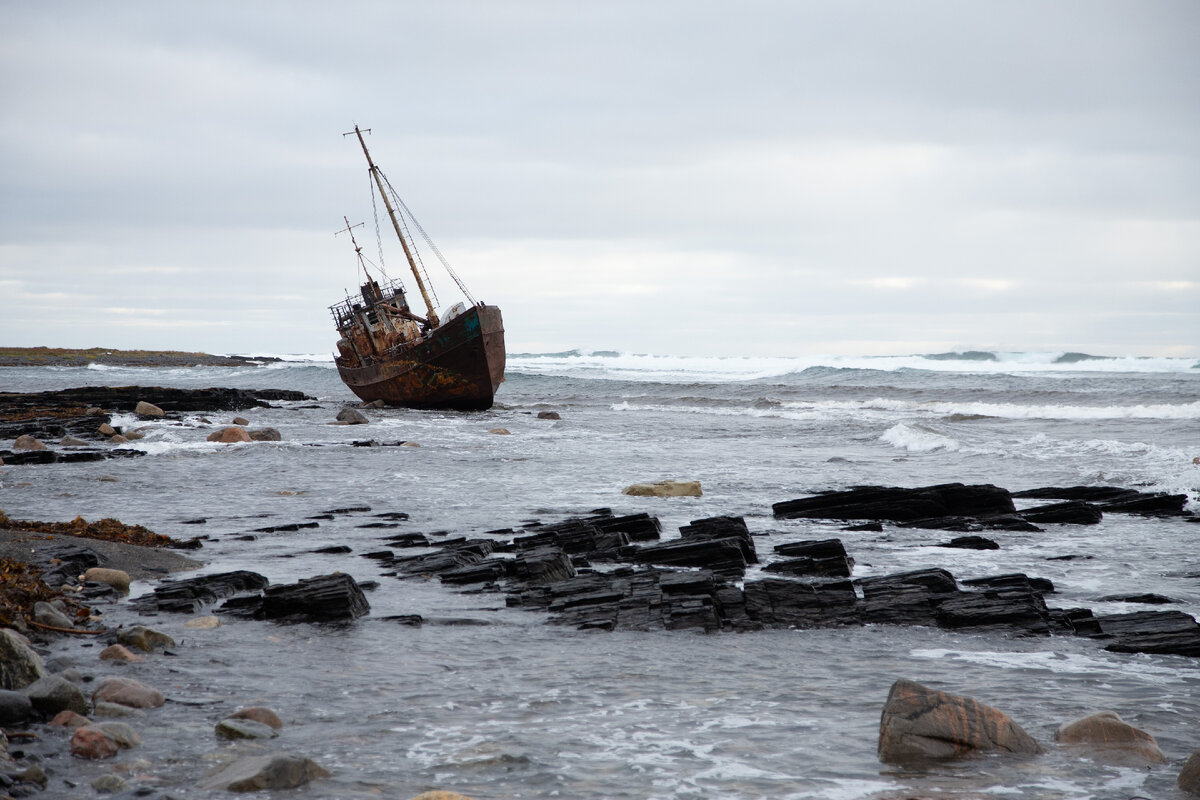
(917, 439)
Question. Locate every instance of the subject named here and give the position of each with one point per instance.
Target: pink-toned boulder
(119, 652)
(1109, 738)
(92, 743)
(1189, 777)
(230, 435)
(69, 719)
(27, 442)
(127, 692)
(920, 724)
(259, 714)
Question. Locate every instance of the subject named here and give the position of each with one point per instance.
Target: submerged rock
(920, 724)
(1189, 776)
(664, 489)
(267, 772)
(127, 692)
(351, 416)
(1106, 736)
(231, 435)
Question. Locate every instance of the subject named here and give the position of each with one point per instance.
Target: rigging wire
(378, 235)
(407, 212)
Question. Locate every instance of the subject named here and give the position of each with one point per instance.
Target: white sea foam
(917, 439)
(689, 369)
(1010, 410)
(1050, 661)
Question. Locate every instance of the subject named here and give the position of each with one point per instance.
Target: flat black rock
(189, 595)
(901, 505)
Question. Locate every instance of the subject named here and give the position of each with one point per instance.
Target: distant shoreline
(71, 357)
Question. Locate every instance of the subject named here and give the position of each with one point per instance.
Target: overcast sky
(773, 177)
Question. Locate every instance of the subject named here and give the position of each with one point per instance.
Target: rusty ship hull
(456, 366)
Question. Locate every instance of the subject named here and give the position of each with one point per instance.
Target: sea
(495, 702)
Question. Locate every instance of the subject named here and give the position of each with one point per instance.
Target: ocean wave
(918, 439)
(614, 365)
(960, 411)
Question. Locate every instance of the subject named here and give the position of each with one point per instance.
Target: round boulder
(148, 410)
(106, 430)
(54, 693)
(127, 692)
(28, 442)
(19, 665)
(350, 416)
(244, 729)
(144, 639)
(1109, 738)
(229, 435)
(116, 578)
(46, 614)
(272, 771)
(241, 421)
(1189, 776)
(71, 441)
(69, 719)
(548, 415)
(92, 743)
(259, 714)
(119, 652)
(265, 435)
(15, 707)
(921, 724)
(664, 489)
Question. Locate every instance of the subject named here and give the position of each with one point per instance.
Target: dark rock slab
(1079, 621)
(1018, 581)
(971, 543)
(1148, 598)
(901, 505)
(542, 566)
(778, 602)
(483, 572)
(822, 557)
(575, 536)
(906, 598)
(723, 556)
(189, 595)
(325, 598)
(723, 528)
(1150, 505)
(1091, 494)
(1160, 632)
(636, 527)
(1008, 608)
(1071, 512)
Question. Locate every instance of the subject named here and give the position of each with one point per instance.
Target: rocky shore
(79, 420)
(74, 723)
(68, 357)
(600, 572)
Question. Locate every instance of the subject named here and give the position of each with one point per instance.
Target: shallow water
(512, 707)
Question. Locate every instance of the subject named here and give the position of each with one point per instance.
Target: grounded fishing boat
(391, 353)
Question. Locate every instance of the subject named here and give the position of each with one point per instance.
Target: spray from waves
(967, 411)
(884, 408)
(613, 365)
(918, 439)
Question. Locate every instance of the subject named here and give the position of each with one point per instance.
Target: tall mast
(432, 318)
